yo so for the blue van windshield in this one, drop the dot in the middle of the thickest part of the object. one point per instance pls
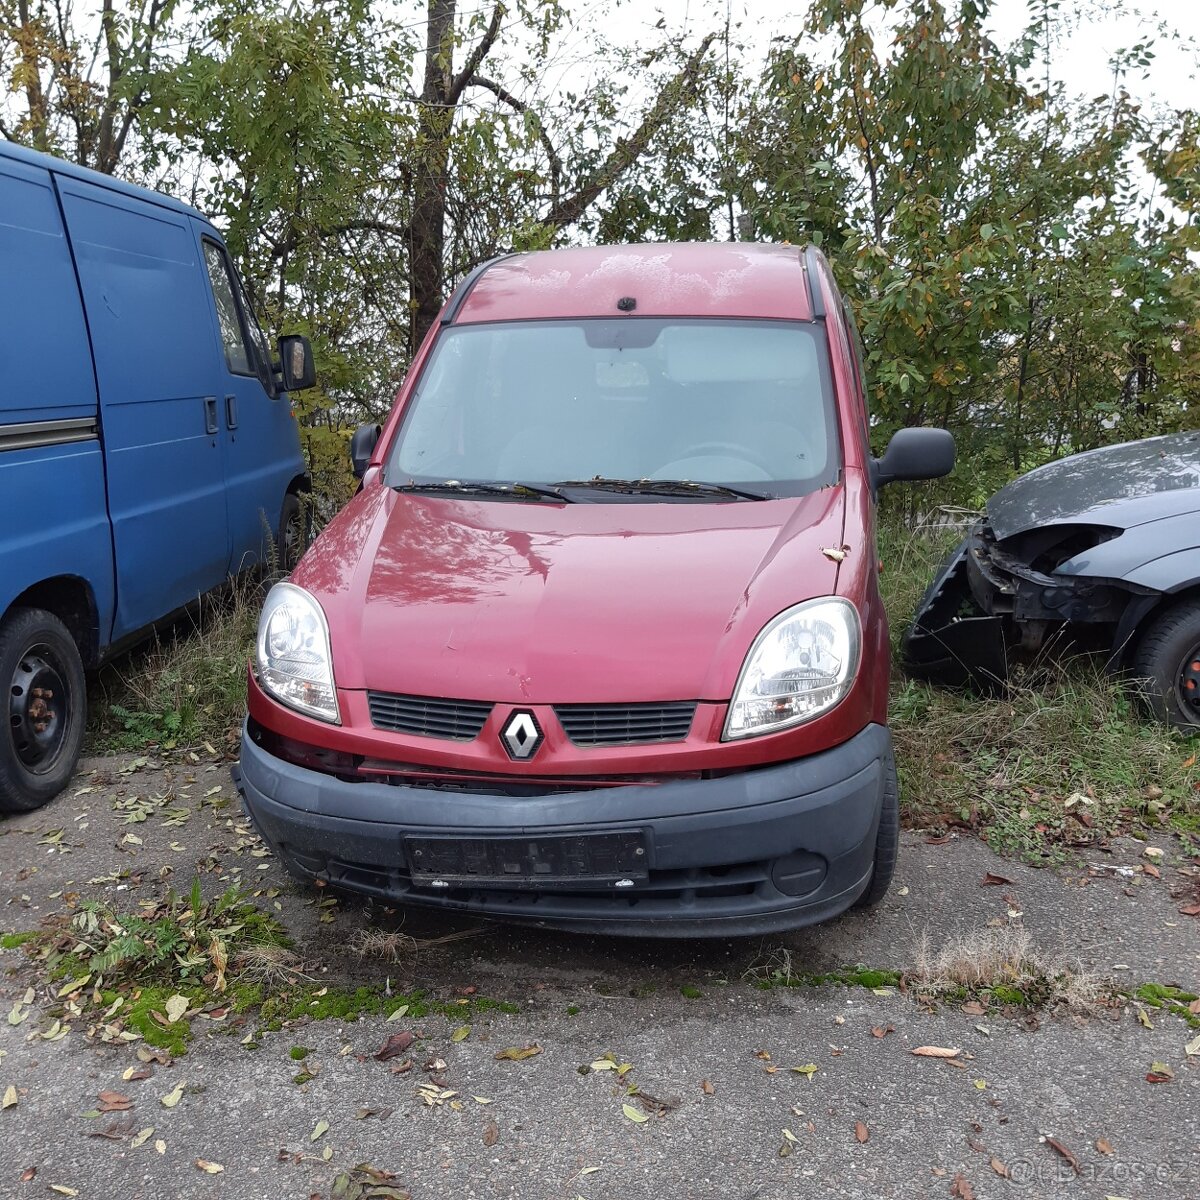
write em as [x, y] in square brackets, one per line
[709, 401]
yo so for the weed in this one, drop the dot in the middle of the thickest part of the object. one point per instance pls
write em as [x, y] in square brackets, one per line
[177, 942]
[1003, 963]
[186, 686]
[776, 969]
[392, 945]
[690, 992]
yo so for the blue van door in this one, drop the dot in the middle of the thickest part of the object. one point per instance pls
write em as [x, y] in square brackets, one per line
[55, 523]
[262, 440]
[146, 296]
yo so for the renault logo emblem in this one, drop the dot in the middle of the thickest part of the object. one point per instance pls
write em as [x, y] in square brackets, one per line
[521, 736]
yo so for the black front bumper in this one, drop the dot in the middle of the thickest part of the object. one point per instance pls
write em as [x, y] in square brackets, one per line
[754, 852]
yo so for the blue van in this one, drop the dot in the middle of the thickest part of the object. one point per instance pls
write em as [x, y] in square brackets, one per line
[148, 449]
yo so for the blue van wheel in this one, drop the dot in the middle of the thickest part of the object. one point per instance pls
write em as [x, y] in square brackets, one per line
[294, 524]
[46, 706]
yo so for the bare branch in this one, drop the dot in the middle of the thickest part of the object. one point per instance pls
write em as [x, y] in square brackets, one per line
[503, 94]
[476, 57]
[628, 150]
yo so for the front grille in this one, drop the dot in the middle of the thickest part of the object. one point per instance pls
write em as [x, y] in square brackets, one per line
[625, 724]
[458, 720]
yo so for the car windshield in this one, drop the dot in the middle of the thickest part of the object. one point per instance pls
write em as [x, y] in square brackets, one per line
[738, 403]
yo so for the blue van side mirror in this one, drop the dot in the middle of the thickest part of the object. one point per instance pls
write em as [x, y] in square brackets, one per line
[362, 446]
[296, 363]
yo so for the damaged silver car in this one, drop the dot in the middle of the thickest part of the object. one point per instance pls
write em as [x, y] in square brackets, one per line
[1101, 550]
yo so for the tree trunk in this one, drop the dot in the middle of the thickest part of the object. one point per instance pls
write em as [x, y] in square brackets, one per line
[430, 170]
[39, 133]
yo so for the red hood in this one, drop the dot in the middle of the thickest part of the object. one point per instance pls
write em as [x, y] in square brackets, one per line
[587, 603]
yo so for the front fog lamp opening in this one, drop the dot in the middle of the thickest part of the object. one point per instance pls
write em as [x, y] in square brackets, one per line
[294, 661]
[801, 665]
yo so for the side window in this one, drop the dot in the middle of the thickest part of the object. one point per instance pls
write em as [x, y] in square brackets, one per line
[237, 350]
[859, 359]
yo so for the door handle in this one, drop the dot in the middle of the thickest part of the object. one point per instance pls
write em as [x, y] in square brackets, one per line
[210, 414]
[231, 411]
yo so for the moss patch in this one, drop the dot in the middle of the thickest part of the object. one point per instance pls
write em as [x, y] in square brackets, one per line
[1169, 999]
[14, 941]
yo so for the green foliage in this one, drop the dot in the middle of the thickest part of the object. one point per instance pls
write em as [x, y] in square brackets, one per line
[186, 687]
[179, 942]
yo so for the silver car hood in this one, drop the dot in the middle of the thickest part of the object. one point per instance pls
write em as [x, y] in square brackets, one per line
[1121, 486]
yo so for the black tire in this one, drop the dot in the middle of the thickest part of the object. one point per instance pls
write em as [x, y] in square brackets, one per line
[1167, 666]
[43, 733]
[293, 533]
[887, 840]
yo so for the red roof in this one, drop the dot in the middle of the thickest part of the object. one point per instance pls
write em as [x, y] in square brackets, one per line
[693, 279]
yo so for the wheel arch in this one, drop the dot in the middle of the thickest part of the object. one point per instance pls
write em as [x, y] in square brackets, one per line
[71, 599]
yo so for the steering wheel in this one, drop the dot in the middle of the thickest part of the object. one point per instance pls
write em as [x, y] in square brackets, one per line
[726, 449]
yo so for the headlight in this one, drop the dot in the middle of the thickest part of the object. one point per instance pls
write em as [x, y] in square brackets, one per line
[294, 662]
[800, 666]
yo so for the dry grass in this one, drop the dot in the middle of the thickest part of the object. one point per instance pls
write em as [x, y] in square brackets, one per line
[1004, 961]
[394, 945]
[270, 967]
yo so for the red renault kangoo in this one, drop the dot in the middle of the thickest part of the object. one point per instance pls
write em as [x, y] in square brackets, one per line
[599, 643]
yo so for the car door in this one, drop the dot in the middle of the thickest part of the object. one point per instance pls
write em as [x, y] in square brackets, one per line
[147, 306]
[262, 440]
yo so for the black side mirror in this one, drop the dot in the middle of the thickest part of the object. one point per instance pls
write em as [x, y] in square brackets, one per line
[915, 454]
[296, 363]
[362, 446]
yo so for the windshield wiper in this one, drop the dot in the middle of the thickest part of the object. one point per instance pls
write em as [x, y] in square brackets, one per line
[470, 487]
[664, 487]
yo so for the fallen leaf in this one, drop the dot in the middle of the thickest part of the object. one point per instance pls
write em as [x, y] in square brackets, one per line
[210, 1168]
[991, 879]
[1188, 910]
[319, 1128]
[491, 1133]
[1193, 1047]
[28, 1174]
[809, 1069]
[999, 1168]
[173, 1097]
[327, 1153]
[395, 1016]
[1062, 1150]
[1104, 1145]
[880, 1031]
[590, 1170]
[114, 1102]
[517, 1053]
[160, 1145]
[632, 1113]
[937, 1051]
[395, 1045]
[461, 1033]
[973, 1008]
[1151, 870]
[481, 1100]
[706, 1087]
[63, 1190]
[176, 1006]
[10, 1097]
[141, 1137]
[861, 1131]
[1159, 1073]
[961, 1188]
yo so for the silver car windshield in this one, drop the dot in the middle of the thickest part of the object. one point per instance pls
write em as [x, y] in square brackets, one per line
[736, 402]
